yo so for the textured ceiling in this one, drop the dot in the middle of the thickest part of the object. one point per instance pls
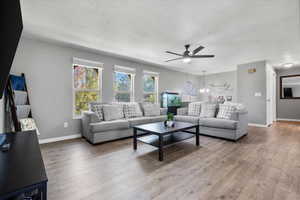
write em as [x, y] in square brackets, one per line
[236, 31]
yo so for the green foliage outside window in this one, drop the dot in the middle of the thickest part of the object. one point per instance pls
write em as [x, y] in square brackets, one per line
[82, 100]
[86, 86]
[150, 89]
[122, 87]
[122, 82]
[86, 78]
[150, 98]
[149, 83]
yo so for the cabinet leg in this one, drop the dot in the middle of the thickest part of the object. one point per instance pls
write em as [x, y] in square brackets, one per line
[197, 136]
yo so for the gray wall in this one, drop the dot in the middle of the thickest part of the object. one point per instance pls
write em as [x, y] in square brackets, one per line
[287, 108]
[220, 79]
[48, 70]
[248, 85]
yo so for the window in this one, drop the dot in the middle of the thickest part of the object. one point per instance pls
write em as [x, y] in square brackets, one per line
[86, 87]
[124, 84]
[150, 86]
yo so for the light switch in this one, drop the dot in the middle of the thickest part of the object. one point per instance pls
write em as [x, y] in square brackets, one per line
[257, 94]
[66, 124]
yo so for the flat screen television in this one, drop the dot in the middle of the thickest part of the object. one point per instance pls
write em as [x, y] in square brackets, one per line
[11, 30]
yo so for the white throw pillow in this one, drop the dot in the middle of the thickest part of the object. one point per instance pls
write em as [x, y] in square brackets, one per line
[132, 110]
[113, 112]
[225, 111]
[208, 110]
[151, 109]
[194, 109]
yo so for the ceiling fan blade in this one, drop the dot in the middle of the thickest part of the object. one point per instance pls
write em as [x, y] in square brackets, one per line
[203, 56]
[174, 59]
[177, 54]
[197, 50]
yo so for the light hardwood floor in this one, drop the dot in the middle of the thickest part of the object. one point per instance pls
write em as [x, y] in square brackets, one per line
[264, 165]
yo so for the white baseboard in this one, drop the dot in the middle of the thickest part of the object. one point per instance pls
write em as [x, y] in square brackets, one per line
[291, 120]
[258, 125]
[56, 139]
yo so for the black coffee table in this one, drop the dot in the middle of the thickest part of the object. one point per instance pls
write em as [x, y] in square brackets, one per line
[161, 136]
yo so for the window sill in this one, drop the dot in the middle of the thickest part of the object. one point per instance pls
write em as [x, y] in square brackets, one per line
[77, 117]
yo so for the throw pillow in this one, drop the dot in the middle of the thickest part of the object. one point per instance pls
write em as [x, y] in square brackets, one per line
[208, 110]
[97, 109]
[225, 111]
[132, 110]
[113, 112]
[151, 109]
[194, 109]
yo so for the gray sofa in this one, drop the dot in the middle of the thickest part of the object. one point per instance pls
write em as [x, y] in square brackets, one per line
[232, 129]
[107, 130]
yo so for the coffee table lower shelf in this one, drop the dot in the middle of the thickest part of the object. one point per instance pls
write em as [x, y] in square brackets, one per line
[168, 139]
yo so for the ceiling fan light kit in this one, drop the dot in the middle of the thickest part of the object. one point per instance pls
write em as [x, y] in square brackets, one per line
[187, 56]
[187, 60]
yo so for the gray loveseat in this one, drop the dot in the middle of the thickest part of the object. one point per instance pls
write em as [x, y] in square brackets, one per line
[107, 129]
[233, 128]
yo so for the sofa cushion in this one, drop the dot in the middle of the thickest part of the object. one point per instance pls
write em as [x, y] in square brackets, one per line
[194, 109]
[132, 110]
[160, 118]
[208, 110]
[226, 111]
[185, 118]
[145, 120]
[113, 112]
[109, 125]
[139, 120]
[151, 109]
[218, 123]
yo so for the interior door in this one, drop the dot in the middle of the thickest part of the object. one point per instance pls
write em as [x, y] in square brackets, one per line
[274, 96]
[270, 95]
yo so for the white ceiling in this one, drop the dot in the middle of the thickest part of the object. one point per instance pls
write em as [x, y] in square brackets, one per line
[236, 31]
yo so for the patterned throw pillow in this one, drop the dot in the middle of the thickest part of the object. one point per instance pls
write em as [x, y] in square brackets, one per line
[113, 112]
[97, 109]
[208, 110]
[28, 124]
[132, 110]
[225, 111]
[151, 109]
[194, 109]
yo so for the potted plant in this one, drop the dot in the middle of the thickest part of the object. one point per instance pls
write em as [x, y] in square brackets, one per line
[170, 120]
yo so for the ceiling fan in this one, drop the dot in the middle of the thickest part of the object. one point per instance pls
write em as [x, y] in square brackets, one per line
[187, 56]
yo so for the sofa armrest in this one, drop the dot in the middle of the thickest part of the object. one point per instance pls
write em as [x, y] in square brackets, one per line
[87, 118]
[163, 111]
[242, 118]
[182, 111]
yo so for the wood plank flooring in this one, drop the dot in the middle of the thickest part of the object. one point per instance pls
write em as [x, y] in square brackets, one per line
[265, 165]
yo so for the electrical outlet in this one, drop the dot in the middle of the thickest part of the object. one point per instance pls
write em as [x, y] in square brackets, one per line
[66, 124]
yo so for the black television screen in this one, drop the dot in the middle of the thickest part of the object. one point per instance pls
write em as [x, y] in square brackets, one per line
[11, 30]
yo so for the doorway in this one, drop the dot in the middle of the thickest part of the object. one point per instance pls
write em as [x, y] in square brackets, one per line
[271, 95]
